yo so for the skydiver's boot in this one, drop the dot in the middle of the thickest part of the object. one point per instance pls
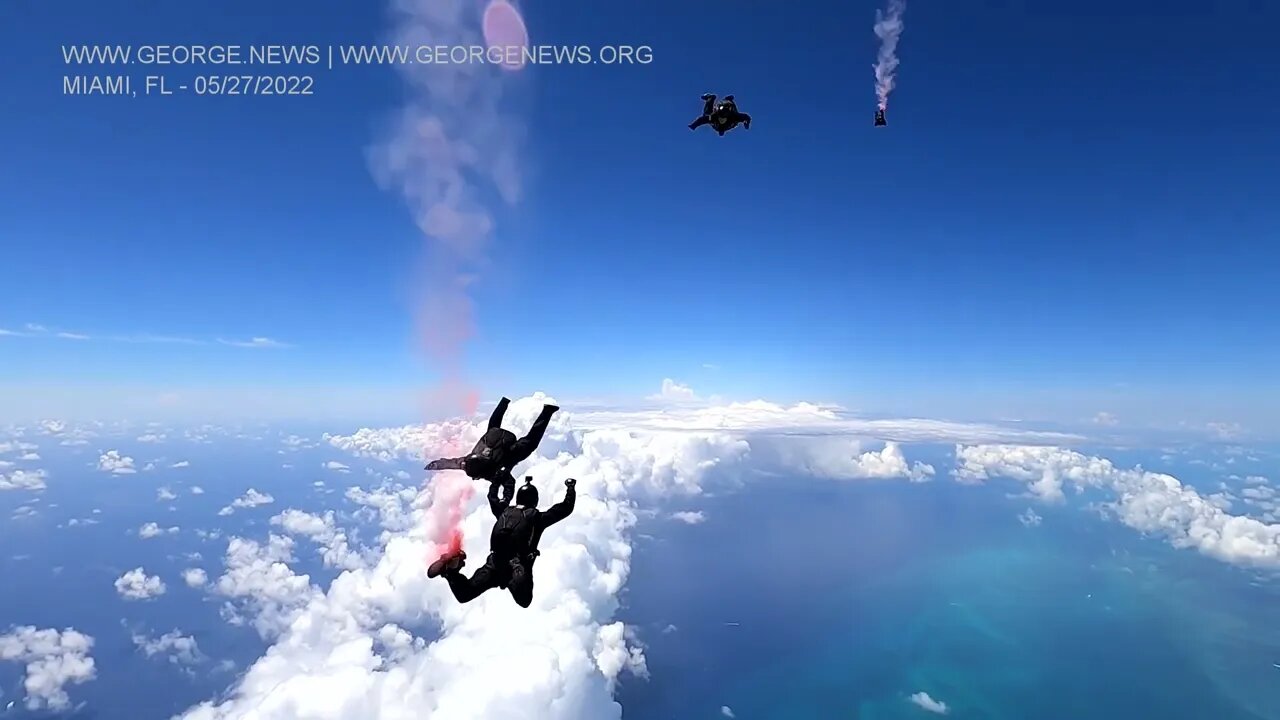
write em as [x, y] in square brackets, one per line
[447, 565]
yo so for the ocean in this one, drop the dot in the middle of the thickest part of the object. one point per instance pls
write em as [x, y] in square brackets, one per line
[797, 599]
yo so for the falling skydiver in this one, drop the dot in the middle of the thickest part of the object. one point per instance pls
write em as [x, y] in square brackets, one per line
[513, 544]
[880, 118]
[498, 451]
[722, 117]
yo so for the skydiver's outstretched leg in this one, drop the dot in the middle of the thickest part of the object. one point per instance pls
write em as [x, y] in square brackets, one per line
[495, 420]
[525, 446]
[467, 589]
[704, 120]
[745, 119]
[521, 585]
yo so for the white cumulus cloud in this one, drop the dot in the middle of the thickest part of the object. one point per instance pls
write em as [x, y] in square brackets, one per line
[567, 648]
[672, 390]
[258, 580]
[137, 585]
[322, 530]
[840, 458]
[251, 498]
[334, 465]
[1146, 501]
[165, 493]
[178, 648]
[692, 518]
[151, 530]
[1225, 430]
[54, 659]
[922, 700]
[113, 462]
[23, 480]
[195, 577]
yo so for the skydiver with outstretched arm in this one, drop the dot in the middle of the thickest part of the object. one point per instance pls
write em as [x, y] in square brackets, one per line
[498, 450]
[513, 544]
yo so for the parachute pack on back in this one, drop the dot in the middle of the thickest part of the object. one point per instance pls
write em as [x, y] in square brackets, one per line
[513, 532]
[489, 453]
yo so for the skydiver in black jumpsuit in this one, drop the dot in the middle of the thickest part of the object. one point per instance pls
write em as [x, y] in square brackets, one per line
[498, 451]
[513, 544]
[723, 117]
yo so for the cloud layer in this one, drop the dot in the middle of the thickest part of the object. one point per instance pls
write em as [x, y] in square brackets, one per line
[137, 585]
[53, 660]
[763, 417]
[357, 640]
[1145, 501]
[383, 641]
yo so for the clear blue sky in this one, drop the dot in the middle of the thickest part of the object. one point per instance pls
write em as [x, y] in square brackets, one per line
[1074, 202]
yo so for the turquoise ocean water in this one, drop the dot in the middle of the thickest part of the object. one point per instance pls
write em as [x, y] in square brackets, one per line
[841, 601]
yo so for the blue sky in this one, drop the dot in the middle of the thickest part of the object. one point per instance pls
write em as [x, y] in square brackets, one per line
[1068, 214]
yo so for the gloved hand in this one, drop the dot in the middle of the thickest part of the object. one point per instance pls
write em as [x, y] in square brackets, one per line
[570, 483]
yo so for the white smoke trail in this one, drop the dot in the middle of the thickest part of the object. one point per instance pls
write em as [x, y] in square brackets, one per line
[449, 153]
[888, 29]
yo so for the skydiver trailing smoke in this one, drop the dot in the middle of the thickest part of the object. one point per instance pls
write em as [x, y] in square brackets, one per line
[722, 117]
[498, 450]
[513, 543]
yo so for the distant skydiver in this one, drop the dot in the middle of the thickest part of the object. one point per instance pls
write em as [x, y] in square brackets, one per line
[722, 117]
[880, 118]
[498, 451]
[513, 544]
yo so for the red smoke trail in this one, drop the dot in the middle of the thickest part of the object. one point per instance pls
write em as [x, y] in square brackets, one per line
[449, 150]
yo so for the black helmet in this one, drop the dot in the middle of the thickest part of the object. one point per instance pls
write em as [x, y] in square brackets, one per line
[527, 495]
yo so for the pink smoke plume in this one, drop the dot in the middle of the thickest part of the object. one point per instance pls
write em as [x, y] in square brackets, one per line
[504, 29]
[888, 29]
[449, 151]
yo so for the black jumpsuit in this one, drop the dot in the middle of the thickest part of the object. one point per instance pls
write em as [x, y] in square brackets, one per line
[708, 107]
[726, 117]
[510, 571]
[499, 450]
